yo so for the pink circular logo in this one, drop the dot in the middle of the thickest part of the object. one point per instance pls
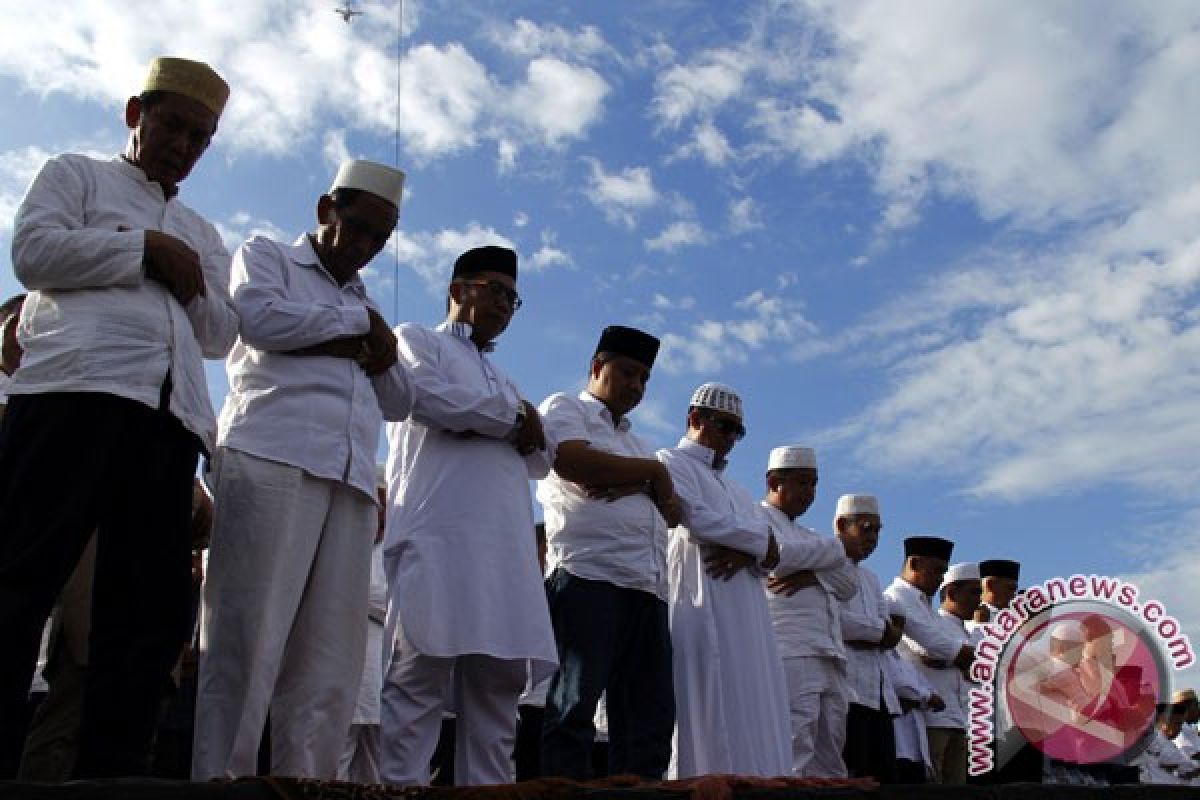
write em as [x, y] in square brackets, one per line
[1081, 687]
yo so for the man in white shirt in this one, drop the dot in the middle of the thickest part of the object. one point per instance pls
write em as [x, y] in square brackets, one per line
[870, 633]
[466, 605]
[608, 504]
[283, 623]
[730, 691]
[947, 728]
[804, 599]
[1000, 578]
[127, 296]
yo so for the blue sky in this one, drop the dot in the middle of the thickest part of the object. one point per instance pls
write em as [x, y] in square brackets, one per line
[951, 245]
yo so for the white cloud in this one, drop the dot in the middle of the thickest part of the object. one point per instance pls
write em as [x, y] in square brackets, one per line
[699, 88]
[760, 319]
[520, 219]
[708, 143]
[549, 255]
[557, 100]
[506, 156]
[296, 69]
[529, 39]
[241, 225]
[431, 254]
[681, 233]
[335, 151]
[17, 170]
[744, 216]
[621, 195]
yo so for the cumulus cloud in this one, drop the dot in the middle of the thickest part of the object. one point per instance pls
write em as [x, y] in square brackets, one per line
[709, 345]
[295, 67]
[684, 90]
[621, 195]
[335, 150]
[681, 233]
[550, 255]
[557, 100]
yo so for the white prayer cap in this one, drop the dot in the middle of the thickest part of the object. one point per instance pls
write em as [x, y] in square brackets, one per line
[966, 571]
[378, 179]
[792, 456]
[718, 397]
[856, 504]
[1068, 631]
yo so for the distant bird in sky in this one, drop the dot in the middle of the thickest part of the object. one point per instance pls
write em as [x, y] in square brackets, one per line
[347, 12]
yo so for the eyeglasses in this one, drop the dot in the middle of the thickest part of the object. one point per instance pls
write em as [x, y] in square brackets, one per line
[729, 427]
[499, 290]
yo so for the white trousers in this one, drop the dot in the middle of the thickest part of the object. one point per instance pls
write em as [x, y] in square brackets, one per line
[817, 690]
[283, 620]
[360, 758]
[483, 693]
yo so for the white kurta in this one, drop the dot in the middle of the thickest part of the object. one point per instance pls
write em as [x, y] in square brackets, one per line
[1188, 740]
[93, 321]
[911, 742]
[949, 682]
[463, 575]
[730, 692]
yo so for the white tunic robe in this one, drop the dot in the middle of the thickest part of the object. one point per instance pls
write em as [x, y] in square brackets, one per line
[730, 692]
[463, 575]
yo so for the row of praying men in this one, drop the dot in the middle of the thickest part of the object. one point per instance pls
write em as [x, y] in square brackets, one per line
[724, 636]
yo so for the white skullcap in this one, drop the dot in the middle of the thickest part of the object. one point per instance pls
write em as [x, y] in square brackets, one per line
[718, 397]
[856, 504]
[792, 456]
[966, 571]
[1068, 631]
[378, 179]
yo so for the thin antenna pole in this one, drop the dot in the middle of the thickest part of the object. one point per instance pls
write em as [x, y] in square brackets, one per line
[396, 269]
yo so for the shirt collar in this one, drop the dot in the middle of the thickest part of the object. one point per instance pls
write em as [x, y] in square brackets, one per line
[139, 175]
[703, 454]
[904, 585]
[302, 253]
[602, 411]
[463, 330]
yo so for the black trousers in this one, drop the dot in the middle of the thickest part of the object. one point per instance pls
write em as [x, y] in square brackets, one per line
[870, 749]
[74, 463]
[614, 641]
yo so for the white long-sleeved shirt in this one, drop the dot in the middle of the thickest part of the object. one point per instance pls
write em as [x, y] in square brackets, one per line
[863, 619]
[924, 632]
[319, 413]
[911, 740]
[808, 623]
[623, 542]
[460, 552]
[949, 682]
[1188, 740]
[93, 321]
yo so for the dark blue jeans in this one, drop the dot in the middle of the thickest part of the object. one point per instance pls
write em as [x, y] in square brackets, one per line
[610, 640]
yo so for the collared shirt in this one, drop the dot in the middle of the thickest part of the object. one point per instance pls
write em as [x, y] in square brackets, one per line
[808, 622]
[623, 542]
[863, 619]
[319, 413]
[92, 321]
[949, 682]
[924, 633]
[460, 550]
